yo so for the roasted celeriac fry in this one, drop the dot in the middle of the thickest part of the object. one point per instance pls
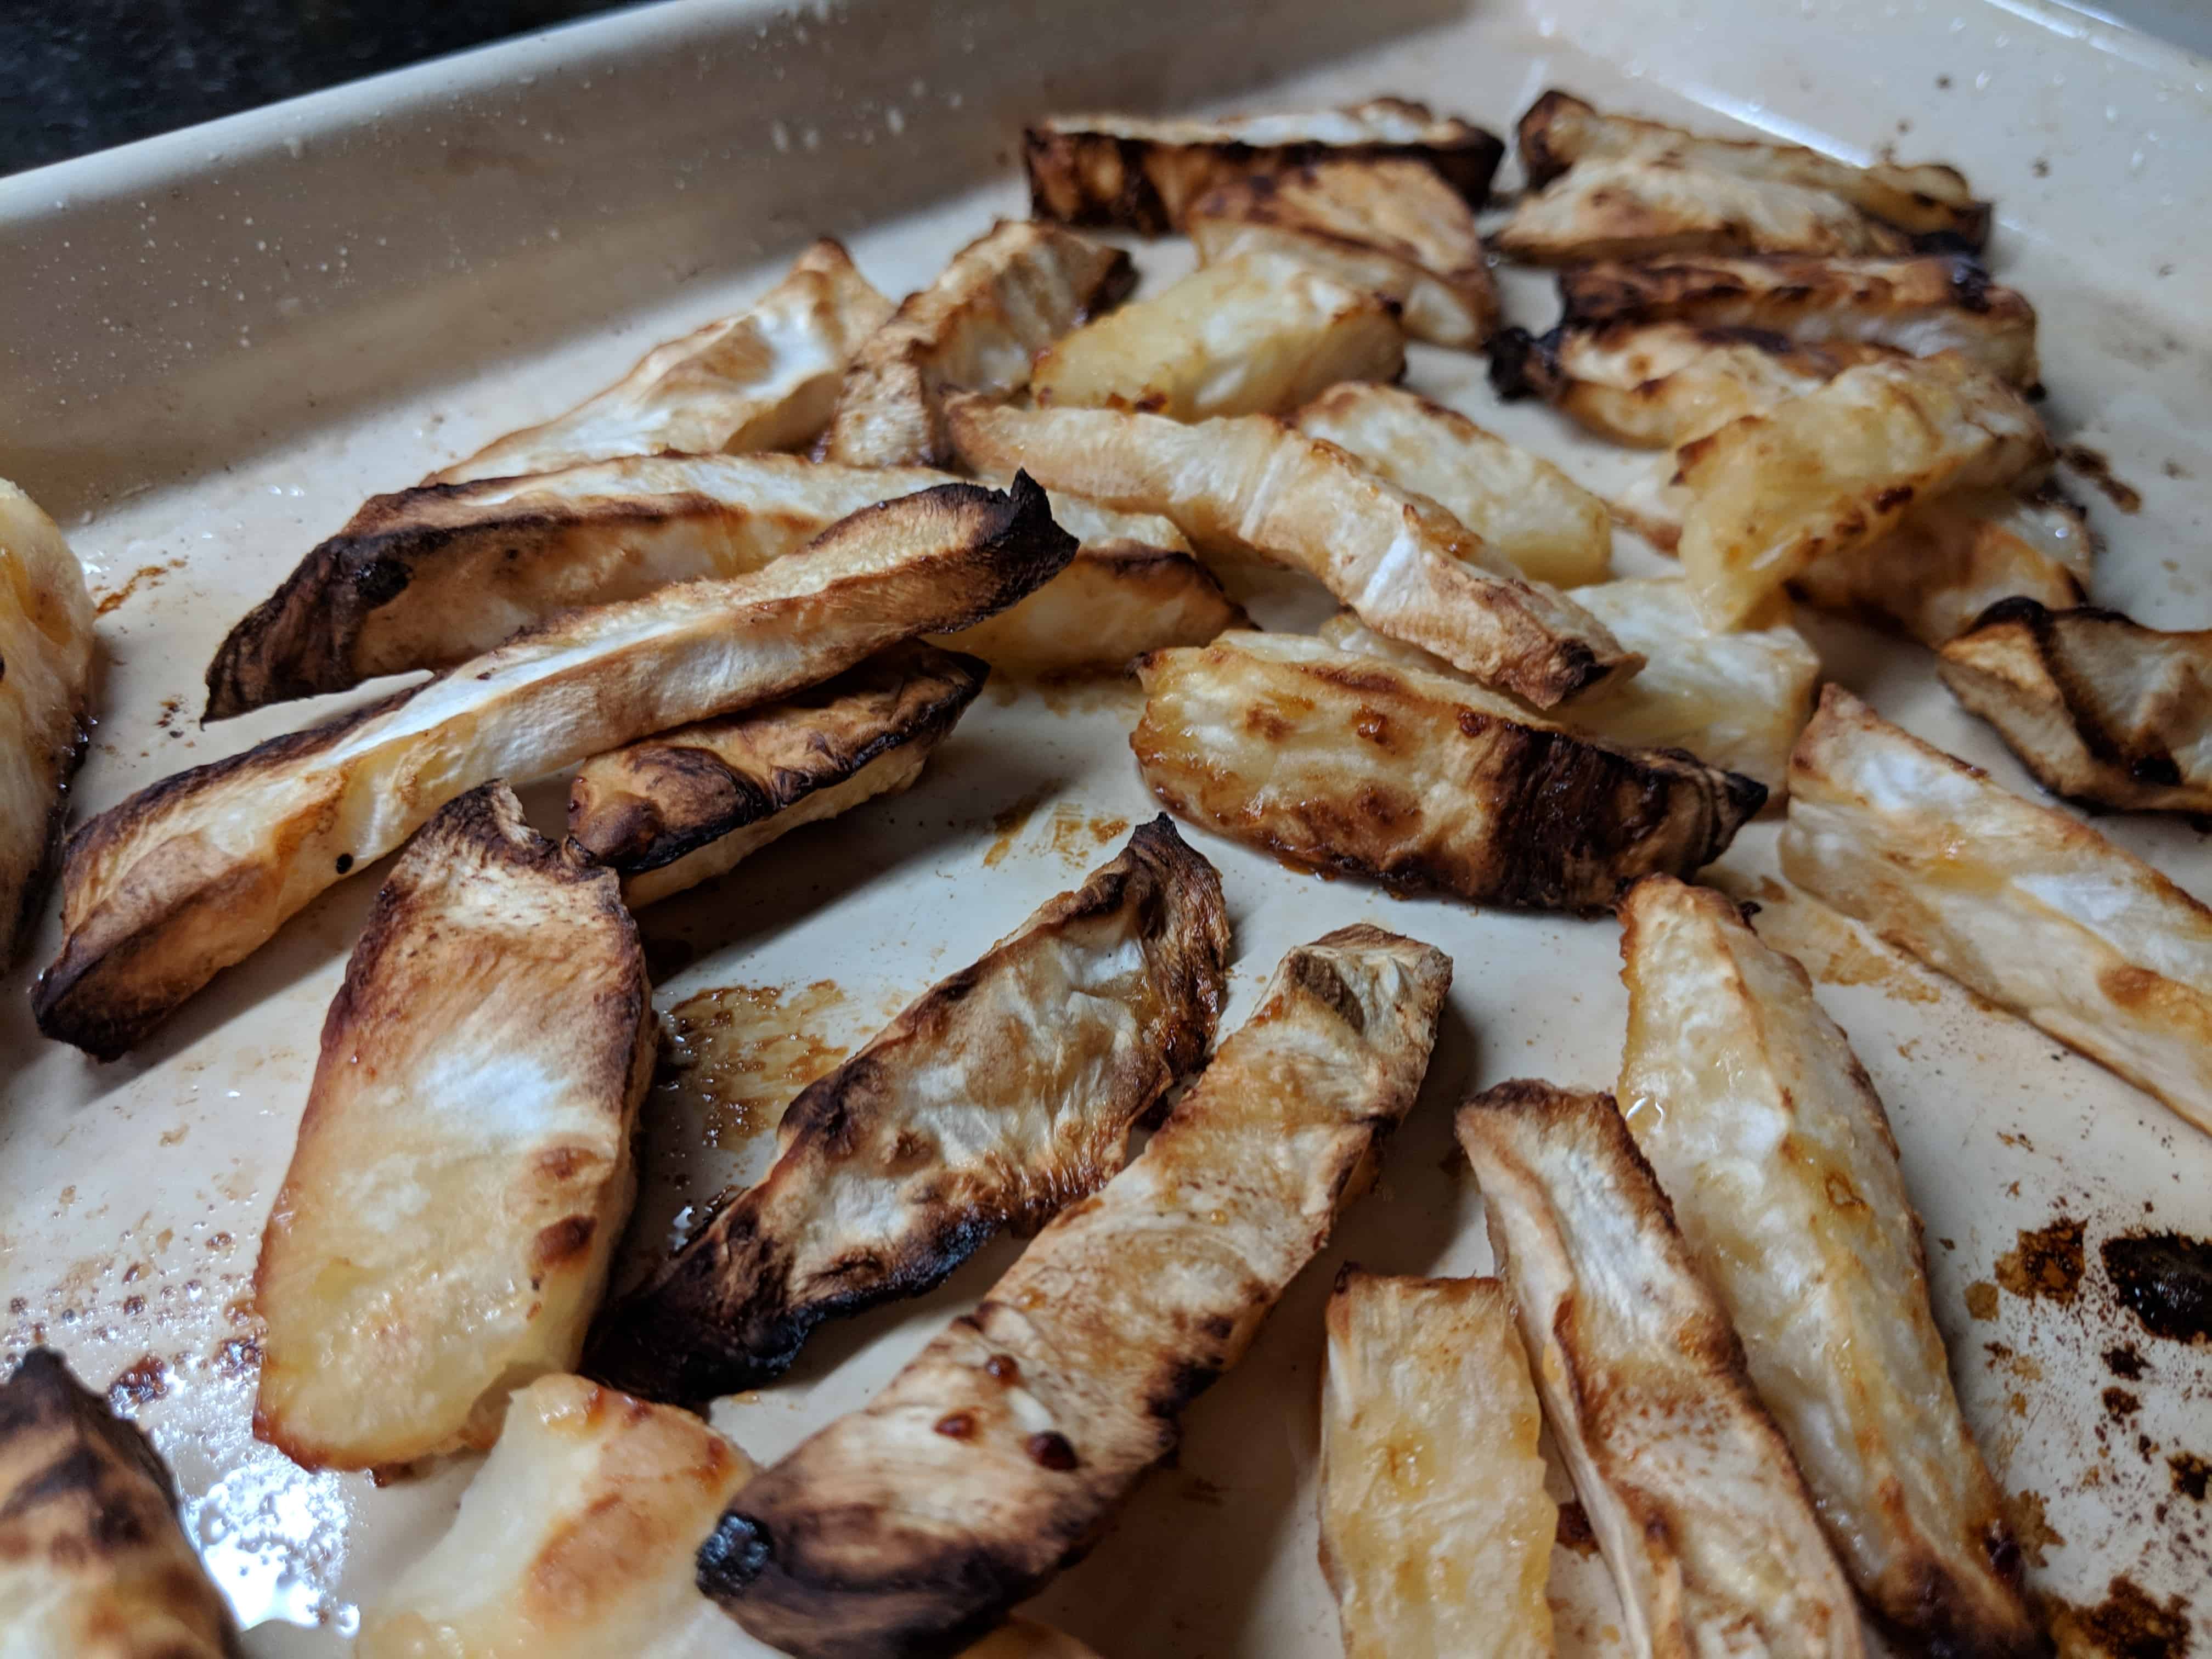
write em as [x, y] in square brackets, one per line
[1142, 173]
[1639, 208]
[1929, 201]
[1422, 781]
[1005, 297]
[1518, 503]
[1767, 1134]
[1242, 337]
[1435, 1531]
[1003, 1093]
[1108, 608]
[1689, 1487]
[996, 1456]
[1392, 228]
[163, 892]
[683, 807]
[434, 576]
[765, 378]
[1404, 564]
[1736, 700]
[2097, 705]
[1924, 305]
[46, 673]
[1827, 473]
[92, 1562]
[2022, 904]
[464, 1169]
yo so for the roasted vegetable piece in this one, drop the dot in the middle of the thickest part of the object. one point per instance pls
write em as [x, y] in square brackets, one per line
[1639, 208]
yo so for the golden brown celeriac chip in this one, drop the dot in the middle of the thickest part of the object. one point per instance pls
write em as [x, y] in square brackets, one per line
[1246, 335]
[464, 1169]
[46, 646]
[765, 378]
[1516, 502]
[1004, 298]
[1767, 1134]
[1343, 762]
[2097, 705]
[1688, 1486]
[1435, 1531]
[1404, 564]
[1391, 228]
[2023, 904]
[1641, 208]
[1000, 1451]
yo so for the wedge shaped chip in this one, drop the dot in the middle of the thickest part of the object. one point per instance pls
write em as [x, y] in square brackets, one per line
[1404, 564]
[1927, 201]
[1242, 337]
[2023, 904]
[1005, 297]
[683, 807]
[1141, 173]
[1517, 503]
[1391, 228]
[1003, 1093]
[1763, 1129]
[464, 1169]
[2097, 705]
[766, 378]
[1639, 208]
[1435, 1531]
[1690, 1489]
[1932, 303]
[1422, 781]
[1000, 1451]
[92, 1562]
[1737, 700]
[163, 892]
[1829, 472]
[46, 645]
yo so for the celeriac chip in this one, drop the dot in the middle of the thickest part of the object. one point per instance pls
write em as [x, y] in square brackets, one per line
[1639, 208]
[47, 648]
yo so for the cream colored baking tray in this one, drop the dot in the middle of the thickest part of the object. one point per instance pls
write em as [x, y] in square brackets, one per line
[216, 343]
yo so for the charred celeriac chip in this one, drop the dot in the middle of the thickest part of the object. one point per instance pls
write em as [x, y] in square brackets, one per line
[165, 891]
[1689, 1487]
[1641, 208]
[686, 805]
[1005, 297]
[1391, 227]
[1004, 1093]
[92, 1562]
[1517, 503]
[1429, 784]
[1736, 700]
[764, 379]
[1767, 1134]
[1404, 564]
[1824, 474]
[46, 673]
[997, 1455]
[1143, 174]
[2097, 705]
[1242, 337]
[464, 1169]
[2022, 904]
[1435, 1531]
[1927, 201]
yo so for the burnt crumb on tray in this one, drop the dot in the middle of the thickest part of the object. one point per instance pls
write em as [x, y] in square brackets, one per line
[2166, 1280]
[2045, 1263]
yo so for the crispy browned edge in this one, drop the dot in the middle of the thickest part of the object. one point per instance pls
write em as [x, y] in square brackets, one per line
[1525, 365]
[15, 931]
[1617, 291]
[651, 804]
[85, 997]
[1545, 794]
[106, 1492]
[1080, 178]
[718, 1316]
[939, 1598]
[1542, 163]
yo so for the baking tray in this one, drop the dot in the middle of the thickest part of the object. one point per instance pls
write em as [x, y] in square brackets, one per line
[217, 342]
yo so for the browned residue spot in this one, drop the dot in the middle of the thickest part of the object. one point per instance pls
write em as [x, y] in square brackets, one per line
[146, 575]
[1008, 825]
[140, 1383]
[1981, 1300]
[738, 1054]
[2031, 1527]
[1197, 1489]
[956, 1425]
[238, 1356]
[2126, 1625]
[2166, 1280]
[1574, 1533]
[1051, 1451]
[2045, 1264]
[1079, 839]
[2024, 1366]
[2192, 1475]
[1833, 951]
[2120, 1405]
[2092, 466]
